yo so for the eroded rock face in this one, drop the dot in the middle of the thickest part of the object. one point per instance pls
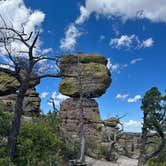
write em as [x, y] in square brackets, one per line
[9, 84]
[8, 94]
[95, 77]
[70, 115]
[31, 104]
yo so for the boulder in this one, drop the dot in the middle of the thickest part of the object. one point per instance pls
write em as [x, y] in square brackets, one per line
[94, 77]
[9, 84]
[31, 104]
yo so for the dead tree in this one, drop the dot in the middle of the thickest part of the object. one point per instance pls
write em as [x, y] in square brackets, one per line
[82, 125]
[24, 66]
[116, 136]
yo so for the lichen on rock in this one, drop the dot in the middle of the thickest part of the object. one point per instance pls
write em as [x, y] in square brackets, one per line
[94, 75]
[8, 84]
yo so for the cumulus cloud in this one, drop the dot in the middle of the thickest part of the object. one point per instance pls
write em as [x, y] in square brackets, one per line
[122, 96]
[69, 42]
[46, 51]
[84, 14]
[154, 11]
[130, 41]
[16, 14]
[136, 60]
[57, 98]
[132, 9]
[123, 41]
[147, 43]
[134, 99]
[132, 126]
[112, 67]
[133, 123]
[44, 94]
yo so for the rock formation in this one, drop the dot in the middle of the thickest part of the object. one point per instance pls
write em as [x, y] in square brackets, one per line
[8, 84]
[8, 93]
[95, 77]
[85, 76]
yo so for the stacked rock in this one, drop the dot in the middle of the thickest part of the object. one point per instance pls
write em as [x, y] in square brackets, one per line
[92, 81]
[8, 93]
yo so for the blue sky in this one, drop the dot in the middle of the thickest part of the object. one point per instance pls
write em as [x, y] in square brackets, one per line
[131, 36]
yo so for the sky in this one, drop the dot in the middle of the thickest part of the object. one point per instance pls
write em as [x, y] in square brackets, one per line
[130, 34]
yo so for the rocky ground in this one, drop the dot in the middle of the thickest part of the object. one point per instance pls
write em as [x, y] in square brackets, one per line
[122, 161]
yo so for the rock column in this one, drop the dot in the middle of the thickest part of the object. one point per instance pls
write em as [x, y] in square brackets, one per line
[95, 79]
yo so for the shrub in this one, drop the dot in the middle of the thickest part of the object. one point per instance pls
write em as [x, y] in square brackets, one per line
[5, 162]
[37, 145]
[5, 122]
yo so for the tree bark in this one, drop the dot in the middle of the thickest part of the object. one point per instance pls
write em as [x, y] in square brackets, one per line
[110, 150]
[16, 122]
[142, 156]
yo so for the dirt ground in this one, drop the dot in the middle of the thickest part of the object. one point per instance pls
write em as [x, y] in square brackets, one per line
[122, 161]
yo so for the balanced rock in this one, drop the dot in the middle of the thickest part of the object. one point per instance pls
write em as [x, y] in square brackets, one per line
[86, 70]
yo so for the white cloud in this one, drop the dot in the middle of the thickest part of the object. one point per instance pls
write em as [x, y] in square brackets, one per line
[123, 41]
[112, 67]
[132, 9]
[102, 37]
[54, 94]
[132, 41]
[46, 51]
[132, 123]
[56, 102]
[134, 99]
[148, 43]
[57, 98]
[152, 10]
[15, 13]
[136, 60]
[61, 97]
[69, 42]
[84, 14]
[44, 94]
[132, 126]
[122, 96]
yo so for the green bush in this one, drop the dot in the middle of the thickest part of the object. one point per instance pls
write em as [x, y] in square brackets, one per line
[160, 160]
[70, 150]
[153, 163]
[37, 145]
[40, 142]
[5, 125]
[5, 162]
[5, 122]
